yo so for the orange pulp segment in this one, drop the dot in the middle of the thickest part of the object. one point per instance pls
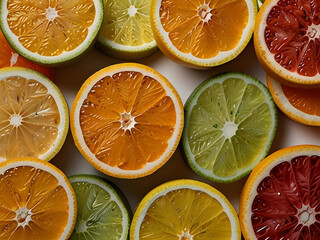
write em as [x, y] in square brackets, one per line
[10, 58]
[204, 28]
[50, 27]
[127, 120]
[29, 118]
[33, 205]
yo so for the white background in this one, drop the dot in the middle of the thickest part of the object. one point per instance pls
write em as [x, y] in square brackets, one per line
[69, 79]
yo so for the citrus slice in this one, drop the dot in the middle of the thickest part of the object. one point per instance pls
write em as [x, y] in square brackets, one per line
[34, 117]
[185, 209]
[280, 199]
[126, 31]
[37, 201]
[101, 211]
[301, 105]
[202, 34]
[230, 123]
[286, 39]
[260, 2]
[127, 120]
[51, 32]
[10, 58]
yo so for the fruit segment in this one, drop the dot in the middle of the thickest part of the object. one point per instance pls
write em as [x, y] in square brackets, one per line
[287, 202]
[204, 28]
[292, 35]
[50, 28]
[127, 120]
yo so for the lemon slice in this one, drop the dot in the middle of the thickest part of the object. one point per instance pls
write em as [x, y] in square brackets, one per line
[185, 209]
[126, 30]
[34, 118]
[51, 32]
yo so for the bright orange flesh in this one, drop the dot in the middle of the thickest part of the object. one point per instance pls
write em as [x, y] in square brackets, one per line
[204, 28]
[127, 120]
[50, 27]
[305, 100]
[29, 118]
[10, 58]
[45, 201]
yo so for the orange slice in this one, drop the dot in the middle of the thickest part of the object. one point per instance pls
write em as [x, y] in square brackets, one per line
[37, 201]
[280, 199]
[301, 105]
[127, 120]
[34, 119]
[286, 40]
[10, 58]
[202, 33]
[51, 32]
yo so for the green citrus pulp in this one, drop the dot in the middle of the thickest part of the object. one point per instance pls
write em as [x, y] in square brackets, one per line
[230, 121]
[101, 211]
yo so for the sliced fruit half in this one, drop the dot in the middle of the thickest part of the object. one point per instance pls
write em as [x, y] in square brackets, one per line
[10, 58]
[230, 123]
[287, 43]
[301, 105]
[126, 31]
[185, 209]
[127, 120]
[51, 32]
[281, 196]
[34, 119]
[202, 34]
[37, 201]
[102, 212]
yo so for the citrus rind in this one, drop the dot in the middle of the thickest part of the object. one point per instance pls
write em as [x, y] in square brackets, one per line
[179, 184]
[59, 99]
[191, 102]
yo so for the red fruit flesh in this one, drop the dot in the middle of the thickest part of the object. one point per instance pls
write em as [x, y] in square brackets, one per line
[287, 204]
[292, 34]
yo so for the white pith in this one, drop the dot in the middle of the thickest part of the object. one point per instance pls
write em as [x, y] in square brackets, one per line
[113, 197]
[263, 173]
[58, 97]
[263, 152]
[15, 120]
[229, 129]
[14, 58]
[51, 13]
[127, 121]
[285, 106]
[269, 58]
[171, 143]
[176, 185]
[62, 182]
[66, 55]
[222, 56]
[306, 215]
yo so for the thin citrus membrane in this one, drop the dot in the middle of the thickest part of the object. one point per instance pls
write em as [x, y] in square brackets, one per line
[51, 32]
[37, 201]
[126, 31]
[230, 123]
[127, 120]
[102, 210]
[287, 41]
[301, 105]
[33, 115]
[281, 196]
[202, 33]
[185, 209]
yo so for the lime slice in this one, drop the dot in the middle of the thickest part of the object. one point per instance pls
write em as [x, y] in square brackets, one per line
[126, 29]
[102, 213]
[230, 123]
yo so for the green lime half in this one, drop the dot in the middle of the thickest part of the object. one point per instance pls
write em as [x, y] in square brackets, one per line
[230, 123]
[102, 212]
[126, 29]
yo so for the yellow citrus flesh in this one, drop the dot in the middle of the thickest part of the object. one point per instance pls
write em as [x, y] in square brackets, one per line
[204, 28]
[127, 117]
[185, 209]
[34, 203]
[29, 118]
[50, 27]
